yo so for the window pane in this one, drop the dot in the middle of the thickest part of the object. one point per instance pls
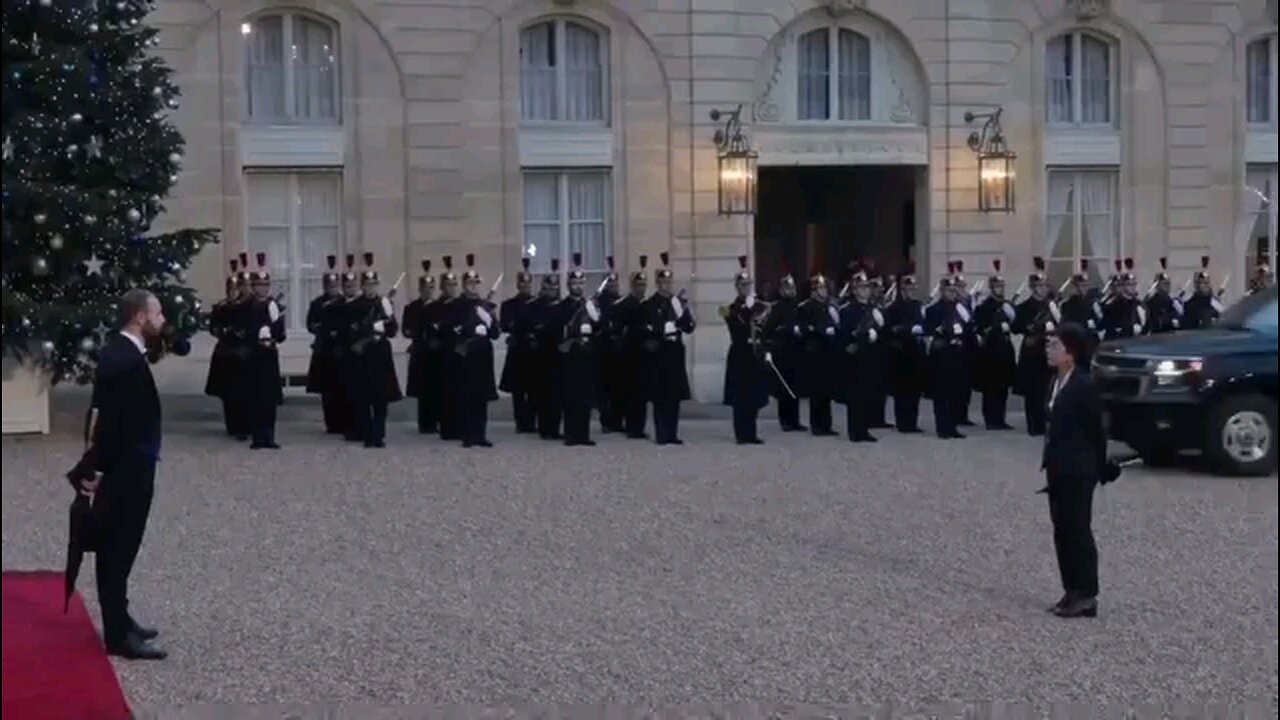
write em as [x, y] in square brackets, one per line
[588, 218]
[1259, 81]
[815, 71]
[584, 74]
[1098, 236]
[315, 64]
[538, 72]
[268, 200]
[264, 68]
[855, 76]
[1058, 70]
[319, 202]
[541, 220]
[1095, 80]
[1059, 236]
[1260, 199]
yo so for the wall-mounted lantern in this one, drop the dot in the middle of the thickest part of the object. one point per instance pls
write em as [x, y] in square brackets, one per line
[736, 165]
[997, 174]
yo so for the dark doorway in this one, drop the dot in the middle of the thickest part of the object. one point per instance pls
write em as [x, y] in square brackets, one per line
[826, 217]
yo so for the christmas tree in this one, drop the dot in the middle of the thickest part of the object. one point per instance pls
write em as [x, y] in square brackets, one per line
[90, 153]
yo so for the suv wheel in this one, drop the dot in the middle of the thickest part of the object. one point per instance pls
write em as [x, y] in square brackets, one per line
[1241, 437]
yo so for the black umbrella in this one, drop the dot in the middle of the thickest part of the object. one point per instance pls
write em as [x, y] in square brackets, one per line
[83, 535]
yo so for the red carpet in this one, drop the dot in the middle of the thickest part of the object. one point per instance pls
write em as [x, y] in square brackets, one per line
[55, 667]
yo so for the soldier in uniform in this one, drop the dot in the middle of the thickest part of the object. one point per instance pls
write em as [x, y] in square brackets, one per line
[547, 331]
[904, 319]
[626, 329]
[519, 376]
[782, 339]
[444, 313]
[1037, 317]
[1204, 307]
[964, 295]
[224, 362]
[375, 384]
[578, 318]
[745, 383]
[339, 326]
[1262, 278]
[321, 371]
[946, 324]
[667, 318]
[608, 350]
[994, 363]
[1124, 315]
[475, 329]
[424, 362]
[861, 324]
[263, 390]
[819, 327]
[1080, 306]
[1164, 312]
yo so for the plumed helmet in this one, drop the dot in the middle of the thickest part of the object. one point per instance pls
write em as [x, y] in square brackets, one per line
[1037, 275]
[641, 274]
[1203, 272]
[664, 272]
[524, 275]
[575, 272]
[261, 275]
[369, 276]
[471, 275]
[742, 275]
[448, 275]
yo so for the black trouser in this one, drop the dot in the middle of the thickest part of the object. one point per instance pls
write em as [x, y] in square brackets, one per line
[906, 412]
[334, 407]
[549, 413]
[526, 412]
[374, 417]
[819, 414]
[1071, 509]
[577, 420]
[963, 398]
[666, 420]
[875, 410]
[475, 421]
[858, 414]
[264, 422]
[944, 412]
[451, 410]
[1036, 407]
[995, 405]
[610, 412]
[231, 415]
[428, 412]
[127, 489]
[788, 412]
[636, 414]
[744, 423]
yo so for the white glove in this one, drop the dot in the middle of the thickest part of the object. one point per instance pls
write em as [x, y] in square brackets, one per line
[264, 333]
[379, 326]
[593, 312]
[669, 328]
[677, 306]
[584, 329]
[958, 329]
[484, 316]
[1092, 325]
[386, 307]
[1056, 312]
[481, 330]
[1176, 323]
[1137, 329]
[273, 311]
[877, 316]
[751, 301]
[768, 357]
[1050, 327]
[871, 334]
[797, 330]
[917, 330]
[1004, 327]
[1009, 312]
[831, 331]
[1216, 305]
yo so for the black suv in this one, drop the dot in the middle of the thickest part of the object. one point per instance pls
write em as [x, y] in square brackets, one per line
[1212, 390]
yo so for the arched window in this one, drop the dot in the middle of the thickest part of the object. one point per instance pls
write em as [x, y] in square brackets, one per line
[834, 75]
[562, 73]
[1261, 77]
[1080, 77]
[290, 69]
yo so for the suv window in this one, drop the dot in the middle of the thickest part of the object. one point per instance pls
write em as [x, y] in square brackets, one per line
[1256, 312]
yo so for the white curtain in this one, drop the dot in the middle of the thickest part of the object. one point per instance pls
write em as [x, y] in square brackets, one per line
[584, 74]
[314, 70]
[1095, 80]
[855, 76]
[814, 68]
[270, 214]
[1259, 81]
[1059, 233]
[588, 212]
[541, 219]
[1260, 208]
[1059, 67]
[264, 69]
[538, 72]
[319, 204]
[1098, 216]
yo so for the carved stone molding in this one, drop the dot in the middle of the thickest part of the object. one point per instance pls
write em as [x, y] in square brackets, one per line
[817, 145]
[765, 108]
[1088, 9]
[840, 8]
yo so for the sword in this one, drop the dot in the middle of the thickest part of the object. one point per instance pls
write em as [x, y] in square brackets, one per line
[493, 290]
[600, 288]
[1222, 289]
[392, 292]
[769, 361]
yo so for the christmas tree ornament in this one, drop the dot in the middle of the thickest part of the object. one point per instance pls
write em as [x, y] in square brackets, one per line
[39, 266]
[55, 242]
[48, 347]
[40, 218]
[8, 148]
[90, 218]
[77, 118]
[133, 215]
[175, 159]
[93, 265]
[93, 27]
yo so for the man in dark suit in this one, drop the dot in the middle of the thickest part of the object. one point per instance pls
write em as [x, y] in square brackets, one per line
[125, 446]
[1074, 460]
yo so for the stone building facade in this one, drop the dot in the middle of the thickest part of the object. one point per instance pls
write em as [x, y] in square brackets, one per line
[416, 129]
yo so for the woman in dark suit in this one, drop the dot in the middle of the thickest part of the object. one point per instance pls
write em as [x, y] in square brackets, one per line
[1074, 460]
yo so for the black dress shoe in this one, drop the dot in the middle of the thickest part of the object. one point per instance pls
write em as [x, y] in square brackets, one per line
[824, 433]
[675, 441]
[135, 648]
[142, 631]
[476, 444]
[751, 441]
[242, 438]
[910, 431]
[1066, 598]
[264, 446]
[637, 436]
[1080, 607]
[375, 444]
[999, 426]
[965, 423]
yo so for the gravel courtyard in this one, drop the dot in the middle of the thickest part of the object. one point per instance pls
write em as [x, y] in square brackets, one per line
[804, 570]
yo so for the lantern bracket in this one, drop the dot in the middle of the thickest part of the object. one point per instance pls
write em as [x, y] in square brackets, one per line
[991, 137]
[729, 138]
